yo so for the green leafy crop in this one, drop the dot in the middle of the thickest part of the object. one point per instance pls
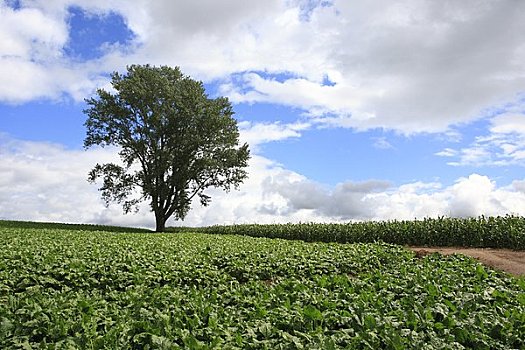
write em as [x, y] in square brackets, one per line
[68, 289]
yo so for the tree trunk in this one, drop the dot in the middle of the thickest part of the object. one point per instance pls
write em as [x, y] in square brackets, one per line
[160, 222]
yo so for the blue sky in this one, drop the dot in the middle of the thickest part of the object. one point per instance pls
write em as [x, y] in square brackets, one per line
[353, 111]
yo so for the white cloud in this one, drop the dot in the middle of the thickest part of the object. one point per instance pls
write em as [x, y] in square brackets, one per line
[447, 152]
[307, 94]
[474, 195]
[258, 133]
[42, 181]
[503, 146]
[30, 33]
[519, 185]
[382, 143]
[411, 66]
[46, 182]
[508, 124]
[28, 40]
[377, 200]
[32, 60]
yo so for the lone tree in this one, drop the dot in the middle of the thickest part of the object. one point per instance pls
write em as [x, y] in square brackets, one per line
[174, 141]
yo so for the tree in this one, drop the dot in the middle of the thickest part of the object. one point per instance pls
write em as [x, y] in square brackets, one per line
[174, 141]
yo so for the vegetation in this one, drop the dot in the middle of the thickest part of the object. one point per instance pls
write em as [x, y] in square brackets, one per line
[77, 289]
[71, 227]
[496, 232]
[174, 141]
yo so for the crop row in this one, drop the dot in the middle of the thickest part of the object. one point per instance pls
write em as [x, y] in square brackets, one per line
[92, 290]
[63, 226]
[495, 232]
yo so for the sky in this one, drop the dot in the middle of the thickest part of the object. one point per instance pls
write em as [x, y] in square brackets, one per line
[353, 110]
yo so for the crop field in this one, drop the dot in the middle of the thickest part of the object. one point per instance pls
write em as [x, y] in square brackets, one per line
[69, 289]
[481, 232]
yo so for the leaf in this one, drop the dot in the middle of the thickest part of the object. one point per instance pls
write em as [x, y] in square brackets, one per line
[370, 322]
[312, 313]
[266, 329]
[161, 342]
[480, 272]
[192, 343]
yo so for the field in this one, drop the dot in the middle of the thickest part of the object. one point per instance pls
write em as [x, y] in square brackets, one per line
[481, 232]
[92, 289]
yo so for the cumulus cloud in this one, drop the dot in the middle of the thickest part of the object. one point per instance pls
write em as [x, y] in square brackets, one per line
[210, 40]
[47, 182]
[309, 95]
[411, 66]
[33, 63]
[29, 32]
[378, 200]
[27, 37]
[42, 181]
[473, 195]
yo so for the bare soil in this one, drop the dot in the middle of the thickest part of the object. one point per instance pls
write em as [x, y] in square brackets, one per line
[511, 261]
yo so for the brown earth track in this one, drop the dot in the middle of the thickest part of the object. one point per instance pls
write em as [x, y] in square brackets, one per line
[511, 261]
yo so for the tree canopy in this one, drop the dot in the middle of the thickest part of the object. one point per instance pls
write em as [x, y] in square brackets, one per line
[174, 141]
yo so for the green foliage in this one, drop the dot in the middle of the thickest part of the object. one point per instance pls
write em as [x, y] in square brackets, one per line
[72, 227]
[174, 141]
[496, 232]
[101, 290]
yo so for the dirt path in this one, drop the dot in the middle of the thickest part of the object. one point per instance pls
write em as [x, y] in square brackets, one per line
[507, 260]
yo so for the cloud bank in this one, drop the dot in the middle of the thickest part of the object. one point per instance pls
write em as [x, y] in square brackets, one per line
[47, 182]
[410, 66]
